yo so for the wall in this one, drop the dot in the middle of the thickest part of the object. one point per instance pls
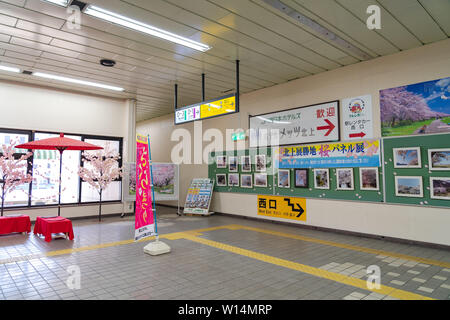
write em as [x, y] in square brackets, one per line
[407, 222]
[35, 108]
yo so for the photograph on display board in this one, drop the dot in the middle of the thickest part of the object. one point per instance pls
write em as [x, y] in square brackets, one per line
[368, 179]
[233, 180]
[321, 179]
[221, 162]
[440, 188]
[260, 162]
[246, 181]
[284, 178]
[246, 164]
[260, 180]
[420, 108]
[233, 164]
[221, 180]
[439, 159]
[345, 179]
[407, 157]
[301, 178]
[408, 186]
[164, 178]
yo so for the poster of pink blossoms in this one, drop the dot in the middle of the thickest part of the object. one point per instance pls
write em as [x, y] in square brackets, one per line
[164, 178]
[419, 108]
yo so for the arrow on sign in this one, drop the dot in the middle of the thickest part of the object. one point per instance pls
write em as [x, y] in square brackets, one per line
[329, 127]
[357, 135]
[300, 210]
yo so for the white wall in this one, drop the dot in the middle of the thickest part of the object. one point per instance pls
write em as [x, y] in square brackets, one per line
[407, 222]
[35, 108]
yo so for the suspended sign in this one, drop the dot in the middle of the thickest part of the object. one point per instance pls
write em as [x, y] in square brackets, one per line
[208, 109]
[357, 118]
[331, 155]
[144, 220]
[309, 124]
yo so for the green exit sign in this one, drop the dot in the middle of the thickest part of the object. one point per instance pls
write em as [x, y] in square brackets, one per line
[238, 136]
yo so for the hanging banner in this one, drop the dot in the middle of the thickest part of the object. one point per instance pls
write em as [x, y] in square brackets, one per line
[331, 155]
[144, 223]
[199, 196]
[357, 118]
[316, 123]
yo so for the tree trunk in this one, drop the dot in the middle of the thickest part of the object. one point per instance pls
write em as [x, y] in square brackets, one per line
[3, 196]
[100, 207]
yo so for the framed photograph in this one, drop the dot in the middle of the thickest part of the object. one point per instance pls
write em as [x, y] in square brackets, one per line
[344, 178]
[407, 157]
[260, 162]
[439, 159]
[440, 188]
[221, 180]
[221, 162]
[246, 181]
[368, 179]
[260, 179]
[408, 186]
[246, 164]
[233, 179]
[301, 178]
[321, 179]
[284, 178]
[233, 164]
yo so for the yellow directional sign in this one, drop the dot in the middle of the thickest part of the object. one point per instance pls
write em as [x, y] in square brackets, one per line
[218, 107]
[282, 207]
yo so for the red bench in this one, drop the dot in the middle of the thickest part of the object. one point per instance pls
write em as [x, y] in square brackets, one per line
[11, 224]
[47, 226]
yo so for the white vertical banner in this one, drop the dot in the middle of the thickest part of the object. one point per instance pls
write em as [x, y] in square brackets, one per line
[357, 118]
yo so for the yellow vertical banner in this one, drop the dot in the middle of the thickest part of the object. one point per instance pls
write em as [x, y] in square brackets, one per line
[282, 207]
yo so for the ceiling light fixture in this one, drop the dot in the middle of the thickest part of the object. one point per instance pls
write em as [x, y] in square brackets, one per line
[87, 83]
[142, 27]
[10, 69]
[62, 3]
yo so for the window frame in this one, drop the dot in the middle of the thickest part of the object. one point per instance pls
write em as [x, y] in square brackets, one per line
[30, 162]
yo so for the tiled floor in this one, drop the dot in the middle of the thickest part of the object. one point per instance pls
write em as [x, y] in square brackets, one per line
[231, 258]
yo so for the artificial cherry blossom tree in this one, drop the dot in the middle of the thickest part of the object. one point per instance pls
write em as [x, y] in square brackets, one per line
[13, 172]
[99, 169]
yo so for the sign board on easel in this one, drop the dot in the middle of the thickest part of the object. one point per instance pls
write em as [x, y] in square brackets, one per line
[199, 196]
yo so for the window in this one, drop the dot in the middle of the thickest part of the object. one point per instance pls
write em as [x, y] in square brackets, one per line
[114, 191]
[44, 166]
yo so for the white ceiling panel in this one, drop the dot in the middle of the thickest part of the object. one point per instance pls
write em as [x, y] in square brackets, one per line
[272, 47]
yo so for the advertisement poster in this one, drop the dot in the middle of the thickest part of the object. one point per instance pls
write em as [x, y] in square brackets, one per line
[144, 222]
[331, 155]
[199, 196]
[357, 118]
[317, 123]
[282, 207]
[419, 108]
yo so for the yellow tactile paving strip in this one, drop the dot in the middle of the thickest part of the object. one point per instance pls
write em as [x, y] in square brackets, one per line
[384, 290]
[193, 235]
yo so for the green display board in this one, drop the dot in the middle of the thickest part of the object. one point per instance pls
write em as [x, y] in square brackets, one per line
[252, 153]
[332, 193]
[408, 165]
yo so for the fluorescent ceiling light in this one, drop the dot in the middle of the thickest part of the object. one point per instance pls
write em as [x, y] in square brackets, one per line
[62, 3]
[87, 83]
[10, 69]
[142, 27]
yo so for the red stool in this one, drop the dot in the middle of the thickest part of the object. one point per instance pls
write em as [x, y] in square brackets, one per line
[47, 226]
[11, 224]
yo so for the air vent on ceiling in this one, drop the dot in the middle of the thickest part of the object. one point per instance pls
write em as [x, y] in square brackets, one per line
[27, 72]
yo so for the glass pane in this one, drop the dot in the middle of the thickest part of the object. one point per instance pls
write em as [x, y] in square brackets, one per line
[18, 196]
[46, 172]
[8, 138]
[112, 145]
[112, 193]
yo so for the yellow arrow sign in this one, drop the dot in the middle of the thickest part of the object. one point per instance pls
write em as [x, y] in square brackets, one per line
[282, 207]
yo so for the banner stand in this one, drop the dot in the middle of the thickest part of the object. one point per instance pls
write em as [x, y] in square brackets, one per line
[157, 247]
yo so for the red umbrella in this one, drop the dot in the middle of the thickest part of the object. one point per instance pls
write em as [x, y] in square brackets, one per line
[61, 144]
